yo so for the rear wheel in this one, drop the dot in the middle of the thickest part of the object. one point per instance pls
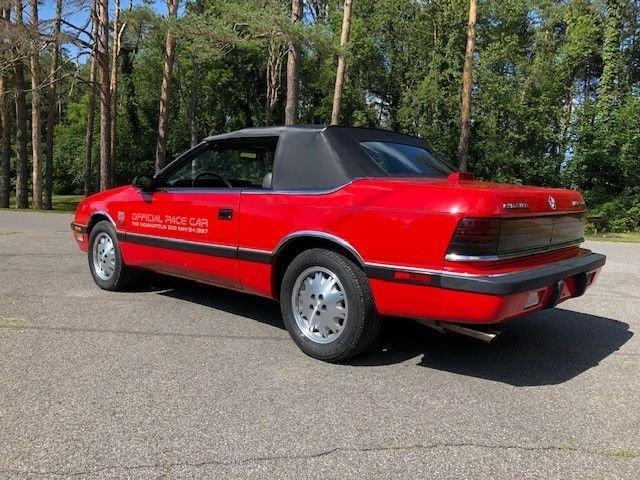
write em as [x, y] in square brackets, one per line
[105, 259]
[327, 306]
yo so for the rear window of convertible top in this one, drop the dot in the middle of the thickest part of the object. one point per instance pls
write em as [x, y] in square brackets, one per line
[400, 160]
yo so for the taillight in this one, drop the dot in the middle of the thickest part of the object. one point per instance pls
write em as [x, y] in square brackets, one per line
[475, 236]
[501, 238]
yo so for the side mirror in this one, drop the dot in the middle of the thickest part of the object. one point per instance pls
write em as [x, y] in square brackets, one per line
[145, 184]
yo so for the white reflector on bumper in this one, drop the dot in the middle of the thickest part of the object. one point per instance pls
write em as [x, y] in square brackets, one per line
[532, 300]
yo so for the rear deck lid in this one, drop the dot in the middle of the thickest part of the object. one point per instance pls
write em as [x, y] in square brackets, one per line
[532, 220]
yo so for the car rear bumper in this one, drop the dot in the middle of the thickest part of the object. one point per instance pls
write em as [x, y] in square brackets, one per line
[527, 280]
[485, 298]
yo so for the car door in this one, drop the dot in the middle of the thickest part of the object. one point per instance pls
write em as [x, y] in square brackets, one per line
[188, 225]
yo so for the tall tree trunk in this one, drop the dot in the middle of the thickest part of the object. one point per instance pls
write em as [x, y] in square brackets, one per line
[566, 124]
[194, 87]
[293, 67]
[91, 114]
[5, 150]
[610, 84]
[193, 103]
[102, 59]
[163, 117]
[130, 90]
[118, 30]
[344, 38]
[36, 108]
[93, 73]
[273, 71]
[22, 161]
[5, 128]
[467, 83]
[245, 106]
[51, 108]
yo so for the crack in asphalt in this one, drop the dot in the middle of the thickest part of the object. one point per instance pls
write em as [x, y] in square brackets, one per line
[141, 332]
[323, 453]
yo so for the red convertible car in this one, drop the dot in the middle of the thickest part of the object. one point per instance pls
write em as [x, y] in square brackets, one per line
[342, 225]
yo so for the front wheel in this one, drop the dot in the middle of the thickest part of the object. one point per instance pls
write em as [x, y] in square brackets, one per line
[327, 306]
[105, 259]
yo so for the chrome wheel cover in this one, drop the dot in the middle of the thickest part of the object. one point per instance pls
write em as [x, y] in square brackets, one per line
[104, 256]
[320, 305]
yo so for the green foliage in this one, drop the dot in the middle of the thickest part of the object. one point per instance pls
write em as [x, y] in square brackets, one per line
[69, 149]
[621, 214]
[556, 91]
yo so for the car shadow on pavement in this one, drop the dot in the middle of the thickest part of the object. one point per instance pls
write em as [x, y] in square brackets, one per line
[546, 348]
[257, 308]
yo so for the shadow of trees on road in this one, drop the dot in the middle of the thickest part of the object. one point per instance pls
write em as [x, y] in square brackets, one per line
[546, 348]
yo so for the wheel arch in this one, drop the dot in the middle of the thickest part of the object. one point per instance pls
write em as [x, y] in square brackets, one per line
[294, 244]
[96, 217]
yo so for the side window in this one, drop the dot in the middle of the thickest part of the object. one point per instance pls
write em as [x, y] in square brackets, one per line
[227, 166]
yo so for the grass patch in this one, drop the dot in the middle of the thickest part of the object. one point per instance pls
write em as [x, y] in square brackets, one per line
[620, 453]
[61, 204]
[66, 203]
[632, 237]
[8, 326]
[13, 322]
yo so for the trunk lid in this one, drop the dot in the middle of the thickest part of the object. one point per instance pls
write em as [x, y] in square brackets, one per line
[518, 200]
[534, 219]
[506, 200]
[524, 220]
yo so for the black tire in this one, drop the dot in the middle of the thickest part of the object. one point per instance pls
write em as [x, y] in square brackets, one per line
[123, 277]
[362, 323]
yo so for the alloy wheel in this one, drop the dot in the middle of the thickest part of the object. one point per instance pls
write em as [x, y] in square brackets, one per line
[320, 305]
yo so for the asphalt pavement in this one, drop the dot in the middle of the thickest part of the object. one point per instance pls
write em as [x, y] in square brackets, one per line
[181, 380]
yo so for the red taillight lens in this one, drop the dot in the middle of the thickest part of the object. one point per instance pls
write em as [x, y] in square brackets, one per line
[475, 236]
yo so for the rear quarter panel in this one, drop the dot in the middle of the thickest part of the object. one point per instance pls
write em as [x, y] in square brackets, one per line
[409, 226]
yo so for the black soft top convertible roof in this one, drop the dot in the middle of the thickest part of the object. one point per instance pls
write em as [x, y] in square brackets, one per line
[319, 157]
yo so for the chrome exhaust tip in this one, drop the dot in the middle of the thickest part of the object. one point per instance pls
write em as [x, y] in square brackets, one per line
[483, 335]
